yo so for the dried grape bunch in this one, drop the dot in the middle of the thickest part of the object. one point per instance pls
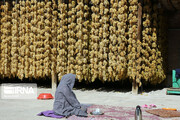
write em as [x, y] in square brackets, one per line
[53, 42]
[39, 43]
[21, 50]
[161, 44]
[1, 14]
[117, 45]
[113, 53]
[5, 40]
[94, 41]
[134, 44]
[33, 39]
[146, 41]
[152, 68]
[81, 44]
[149, 41]
[122, 39]
[27, 40]
[71, 37]
[103, 40]
[48, 36]
[62, 39]
[85, 43]
[79, 39]
[15, 39]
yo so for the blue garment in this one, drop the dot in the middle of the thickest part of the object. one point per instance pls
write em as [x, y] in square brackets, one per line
[177, 73]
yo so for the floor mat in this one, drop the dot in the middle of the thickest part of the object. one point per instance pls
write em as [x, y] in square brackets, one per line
[114, 113]
[164, 113]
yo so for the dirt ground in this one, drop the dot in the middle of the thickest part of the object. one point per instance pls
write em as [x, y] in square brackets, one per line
[28, 109]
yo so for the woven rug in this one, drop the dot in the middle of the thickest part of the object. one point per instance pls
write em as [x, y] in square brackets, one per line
[114, 113]
[164, 113]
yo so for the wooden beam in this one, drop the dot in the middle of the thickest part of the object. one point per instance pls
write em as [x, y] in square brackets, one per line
[139, 21]
[135, 85]
[54, 81]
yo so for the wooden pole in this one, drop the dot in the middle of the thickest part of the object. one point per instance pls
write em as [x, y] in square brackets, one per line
[139, 21]
[135, 85]
[54, 81]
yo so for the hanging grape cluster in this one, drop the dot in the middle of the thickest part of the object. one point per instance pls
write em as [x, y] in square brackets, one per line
[62, 39]
[94, 39]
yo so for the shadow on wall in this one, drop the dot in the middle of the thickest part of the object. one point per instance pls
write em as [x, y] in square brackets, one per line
[173, 53]
[173, 41]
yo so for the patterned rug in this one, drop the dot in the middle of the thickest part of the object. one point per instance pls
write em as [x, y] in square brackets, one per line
[114, 113]
[164, 113]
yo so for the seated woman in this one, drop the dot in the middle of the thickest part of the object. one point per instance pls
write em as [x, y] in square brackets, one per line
[66, 103]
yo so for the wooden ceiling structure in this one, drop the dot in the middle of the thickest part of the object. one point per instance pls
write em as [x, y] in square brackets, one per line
[173, 10]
